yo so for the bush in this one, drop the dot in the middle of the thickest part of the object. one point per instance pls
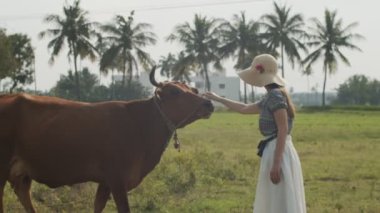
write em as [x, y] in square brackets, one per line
[359, 90]
[91, 91]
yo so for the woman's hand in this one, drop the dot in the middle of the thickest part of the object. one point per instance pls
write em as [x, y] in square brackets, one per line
[233, 105]
[275, 174]
[212, 96]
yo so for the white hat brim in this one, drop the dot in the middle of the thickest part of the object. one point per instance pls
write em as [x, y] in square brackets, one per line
[248, 76]
[255, 78]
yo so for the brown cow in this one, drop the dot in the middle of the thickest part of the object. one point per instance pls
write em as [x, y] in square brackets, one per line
[116, 144]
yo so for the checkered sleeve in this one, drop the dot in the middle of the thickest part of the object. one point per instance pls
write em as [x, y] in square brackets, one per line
[260, 103]
[276, 100]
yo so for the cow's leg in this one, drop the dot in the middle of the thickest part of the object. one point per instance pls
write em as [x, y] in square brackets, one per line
[120, 196]
[21, 186]
[5, 156]
[102, 195]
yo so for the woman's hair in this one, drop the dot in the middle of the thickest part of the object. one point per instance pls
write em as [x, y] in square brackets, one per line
[291, 109]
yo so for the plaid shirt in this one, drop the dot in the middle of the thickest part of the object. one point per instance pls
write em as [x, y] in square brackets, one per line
[271, 102]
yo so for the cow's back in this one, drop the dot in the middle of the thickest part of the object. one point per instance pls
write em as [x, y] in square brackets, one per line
[18, 114]
[59, 142]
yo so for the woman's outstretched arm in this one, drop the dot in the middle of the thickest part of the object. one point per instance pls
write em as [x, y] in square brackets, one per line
[234, 105]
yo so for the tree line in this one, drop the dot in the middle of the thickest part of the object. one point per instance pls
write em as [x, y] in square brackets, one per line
[206, 41]
[92, 91]
[359, 90]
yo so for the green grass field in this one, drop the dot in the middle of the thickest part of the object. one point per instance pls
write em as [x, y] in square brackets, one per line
[217, 168]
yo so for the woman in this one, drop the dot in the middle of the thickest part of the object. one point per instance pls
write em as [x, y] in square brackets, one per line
[280, 184]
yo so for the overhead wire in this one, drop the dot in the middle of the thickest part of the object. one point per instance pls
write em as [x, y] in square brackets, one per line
[147, 8]
[141, 8]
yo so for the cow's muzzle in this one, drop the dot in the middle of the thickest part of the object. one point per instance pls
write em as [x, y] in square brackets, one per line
[208, 108]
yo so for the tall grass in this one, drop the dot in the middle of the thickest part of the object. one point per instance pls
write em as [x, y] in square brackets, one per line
[217, 168]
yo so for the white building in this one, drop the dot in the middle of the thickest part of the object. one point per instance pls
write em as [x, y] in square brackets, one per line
[225, 86]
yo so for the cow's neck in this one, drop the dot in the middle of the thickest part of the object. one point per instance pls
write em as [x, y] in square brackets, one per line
[162, 124]
[159, 138]
[161, 134]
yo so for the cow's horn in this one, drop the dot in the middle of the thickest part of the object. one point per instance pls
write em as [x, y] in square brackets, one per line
[152, 79]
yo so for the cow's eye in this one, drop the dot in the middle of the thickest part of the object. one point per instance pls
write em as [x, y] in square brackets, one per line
[175, 92]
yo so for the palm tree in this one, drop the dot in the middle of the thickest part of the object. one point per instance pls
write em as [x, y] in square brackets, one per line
[175, 67]
[200, 44]
[178, 68]
[329, 38]
[241, 40]
[182, 68]
[74, 29]
[104, 64]
[126, 41]
[307, 72]
[166, 64]
[284, 31]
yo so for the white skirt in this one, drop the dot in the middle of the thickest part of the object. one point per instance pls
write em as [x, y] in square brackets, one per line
[288, 196]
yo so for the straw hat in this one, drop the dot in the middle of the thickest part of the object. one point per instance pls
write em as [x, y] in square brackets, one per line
[262, 72]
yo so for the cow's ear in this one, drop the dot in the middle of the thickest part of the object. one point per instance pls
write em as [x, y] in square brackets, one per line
[158, 93]
[163, 94]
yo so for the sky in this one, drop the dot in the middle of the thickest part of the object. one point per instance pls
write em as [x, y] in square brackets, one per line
[25, 16]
